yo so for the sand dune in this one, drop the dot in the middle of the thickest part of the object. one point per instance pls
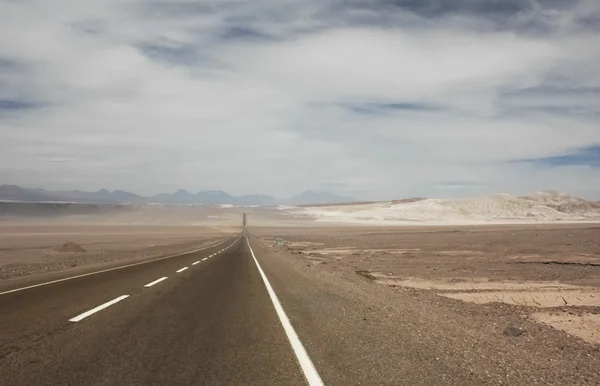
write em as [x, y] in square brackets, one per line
[542, 207]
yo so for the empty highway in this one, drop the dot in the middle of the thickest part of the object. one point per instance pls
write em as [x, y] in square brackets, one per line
[240, 313]
[203, 318]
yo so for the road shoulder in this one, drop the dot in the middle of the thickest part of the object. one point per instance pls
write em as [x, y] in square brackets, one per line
[357, 332]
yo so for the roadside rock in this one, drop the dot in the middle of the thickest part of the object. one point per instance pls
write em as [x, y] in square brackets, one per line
[513, 331]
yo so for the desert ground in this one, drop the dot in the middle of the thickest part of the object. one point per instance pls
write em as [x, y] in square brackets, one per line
[523, 299]
[546, 273]
[27, 250]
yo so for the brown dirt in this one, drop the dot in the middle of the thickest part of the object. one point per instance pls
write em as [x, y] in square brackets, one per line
[585, 326]
[516, 269]
[70, 247]
[32, 249]
[522, 253]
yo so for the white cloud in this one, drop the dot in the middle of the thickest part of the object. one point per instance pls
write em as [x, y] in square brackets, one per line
[278, 97]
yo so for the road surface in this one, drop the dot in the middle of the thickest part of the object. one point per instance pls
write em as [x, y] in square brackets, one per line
[231, 315]
[204, 318]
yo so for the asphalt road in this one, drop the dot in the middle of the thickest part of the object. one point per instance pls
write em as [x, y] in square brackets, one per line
[241, 316]
[212, 323]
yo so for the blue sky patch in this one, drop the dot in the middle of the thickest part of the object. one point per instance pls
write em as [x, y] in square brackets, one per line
[587, 156]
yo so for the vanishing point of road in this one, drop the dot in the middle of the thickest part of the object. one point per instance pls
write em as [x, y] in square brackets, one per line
[208, 317]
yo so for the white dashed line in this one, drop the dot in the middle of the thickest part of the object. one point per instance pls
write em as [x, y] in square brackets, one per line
[308, 368]
[108, 270]
[155, 282]
[182, 269]
[195, 262]
[99, 308]
[206, 258]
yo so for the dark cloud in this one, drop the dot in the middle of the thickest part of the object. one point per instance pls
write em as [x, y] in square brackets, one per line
[555, 98]
[384, 108]
[244, 33]
[8, 104]
[493, 9]
[178, 9]
[554, 89]
[173, 54]
[488, 8]
[7, 64]
[533, 17]
[589, 22]
[89, 27]
[13, 74]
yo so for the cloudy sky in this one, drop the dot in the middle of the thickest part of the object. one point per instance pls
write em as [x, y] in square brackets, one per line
[375, 99]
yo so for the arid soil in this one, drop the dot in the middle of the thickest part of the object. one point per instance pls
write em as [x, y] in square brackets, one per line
[32, 249]
[506, 305]
[548, 274]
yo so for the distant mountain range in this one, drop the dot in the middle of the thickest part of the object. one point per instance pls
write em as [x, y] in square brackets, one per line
[209, 197]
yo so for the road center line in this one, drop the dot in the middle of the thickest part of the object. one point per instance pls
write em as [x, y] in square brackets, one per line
[195, 262]
[109, 269]
[182, 269]
[155, 282]
[308, 368]
[99, 308]
[206, 258]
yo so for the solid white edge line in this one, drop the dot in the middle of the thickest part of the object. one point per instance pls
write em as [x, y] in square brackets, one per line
[155, 282]
[196, 262]
[308, 368]
[99, 308]
[108, 270]
[182, 269]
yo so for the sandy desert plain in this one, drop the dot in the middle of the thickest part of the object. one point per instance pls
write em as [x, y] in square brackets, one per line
[528, 277]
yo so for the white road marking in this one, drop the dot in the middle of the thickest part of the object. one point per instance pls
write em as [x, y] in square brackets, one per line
[196, 262]
[155, 282]
[308, 368]
[108, 270]
[206, 258]
[99, 308]
[182, 269]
